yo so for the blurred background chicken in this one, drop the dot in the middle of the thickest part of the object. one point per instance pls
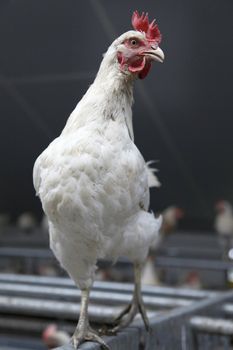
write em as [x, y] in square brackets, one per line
[171, 217]
[224, 225]
[27, 222]
[54, 337]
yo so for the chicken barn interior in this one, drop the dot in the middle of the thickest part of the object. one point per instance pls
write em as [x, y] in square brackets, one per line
[137, 209]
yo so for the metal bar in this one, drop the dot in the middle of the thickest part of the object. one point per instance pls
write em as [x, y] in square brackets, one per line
[27, 324]
[11, 348]
[212, 325]
[129, 338]
[160, 261]
[171, 323]
[36, 280]
[184, 263]
[208, 238]
[20, 342]
[193, 252]
[25, 253]
[57, 309]
[228, 309]
[100, 297]
[109, 286]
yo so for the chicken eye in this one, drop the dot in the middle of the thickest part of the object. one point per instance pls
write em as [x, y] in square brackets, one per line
[133, 42]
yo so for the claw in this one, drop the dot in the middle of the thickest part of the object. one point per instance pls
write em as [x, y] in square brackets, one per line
[122, 314]
[137, 305]
[94, 337]
[88, 334]
[119, 322]
[106, 330]
[83, 331]
[125, 318]
[142, 311]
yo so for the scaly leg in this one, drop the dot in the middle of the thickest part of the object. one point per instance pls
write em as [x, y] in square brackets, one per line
[83, 331]
[137, 305]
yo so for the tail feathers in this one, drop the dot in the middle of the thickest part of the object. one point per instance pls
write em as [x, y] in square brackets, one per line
[153, 180]
[141, 232]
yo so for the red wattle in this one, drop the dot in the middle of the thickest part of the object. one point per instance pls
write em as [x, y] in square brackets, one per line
[137, 65]
[145, 70]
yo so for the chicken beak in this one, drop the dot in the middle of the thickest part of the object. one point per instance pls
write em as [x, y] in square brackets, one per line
[155, 54]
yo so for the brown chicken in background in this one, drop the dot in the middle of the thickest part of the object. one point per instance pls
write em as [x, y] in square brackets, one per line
[53, 337]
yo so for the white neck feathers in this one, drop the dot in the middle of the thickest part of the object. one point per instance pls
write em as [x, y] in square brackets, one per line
[109, 97]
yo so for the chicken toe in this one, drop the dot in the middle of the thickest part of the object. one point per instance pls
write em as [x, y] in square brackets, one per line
[87, 334]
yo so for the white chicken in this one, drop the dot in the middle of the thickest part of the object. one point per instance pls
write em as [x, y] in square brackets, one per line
[224, 225]
[93, 181]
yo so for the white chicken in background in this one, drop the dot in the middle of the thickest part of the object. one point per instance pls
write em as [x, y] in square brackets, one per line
[93, 181]
[224, 225]
[171, 217]
[53, 337]
[149, 274]
[27, 222]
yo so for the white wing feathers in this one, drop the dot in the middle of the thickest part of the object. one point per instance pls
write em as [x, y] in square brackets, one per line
[153, 181]
[36, 176]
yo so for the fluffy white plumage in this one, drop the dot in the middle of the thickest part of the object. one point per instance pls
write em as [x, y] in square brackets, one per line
[93, 181]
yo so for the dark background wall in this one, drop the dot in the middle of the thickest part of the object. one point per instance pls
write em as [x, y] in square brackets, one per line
[50, 53]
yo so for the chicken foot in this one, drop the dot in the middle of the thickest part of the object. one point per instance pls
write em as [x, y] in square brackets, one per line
[83, 331]
[137, 305]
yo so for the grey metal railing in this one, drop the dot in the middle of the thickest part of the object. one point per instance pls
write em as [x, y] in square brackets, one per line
[180, 329]
[180, 319]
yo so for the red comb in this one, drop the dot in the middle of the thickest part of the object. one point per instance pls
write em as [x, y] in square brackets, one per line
[142, 24]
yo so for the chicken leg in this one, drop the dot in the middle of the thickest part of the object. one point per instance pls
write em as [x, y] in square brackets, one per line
[137, 305]
[83, 331]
